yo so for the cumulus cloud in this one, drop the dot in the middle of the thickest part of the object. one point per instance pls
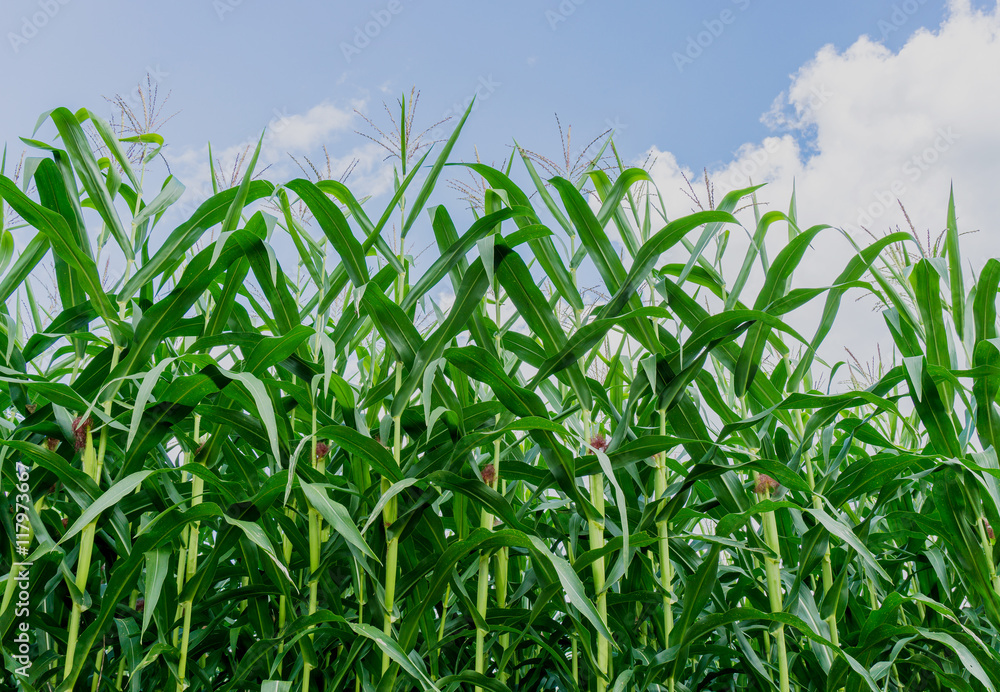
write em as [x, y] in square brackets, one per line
[301, 131]
[860, 128]
[288, 135]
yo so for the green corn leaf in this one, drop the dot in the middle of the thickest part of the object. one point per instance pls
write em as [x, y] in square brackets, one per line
[933, 413]
[775, 286]
[25, 263]
[926, 286]
[425, 190]
[481, 365]
[533, 309]
[335, 227]
[985, 389]
[210, 213]
[697, 592]
[448, 259]
[64, 244]
[958, 516]
[85, 164]
[726, 206]
[271, 350]
[984, 310]
[544, 249]
[53, 194]
[356, 443]
[157, 566]
[854, 270]
[113, 144]
[955, 267]
[473, 288]
[233, 214]
[651, 250]
[337, 516]
[171, 191]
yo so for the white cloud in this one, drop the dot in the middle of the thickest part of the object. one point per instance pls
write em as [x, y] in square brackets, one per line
[302, 131]
[877, 125]
[301, 135]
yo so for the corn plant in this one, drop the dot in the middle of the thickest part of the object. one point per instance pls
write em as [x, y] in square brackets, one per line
[221, 471]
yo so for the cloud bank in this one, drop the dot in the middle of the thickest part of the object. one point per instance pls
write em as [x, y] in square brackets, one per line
[858, 130]
[288, 135]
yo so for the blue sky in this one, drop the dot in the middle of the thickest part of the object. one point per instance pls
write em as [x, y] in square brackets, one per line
[858, 103]
[230, 65]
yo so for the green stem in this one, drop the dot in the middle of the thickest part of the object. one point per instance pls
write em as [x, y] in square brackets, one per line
[181, 562]
[502, 554]
[98, 669]
[132, 601]
[817, 502]
[197, 492]
[314, 553]
[772, 567]
[17, 567]
[481, 603]
[663, 531]
[93, 464]
[482, 600]
[186, 547]
[440, 634]
[389, 518]
[286, 551]
[596, 528]
[576, 660]
[501, 586]
[571, 557]
[988, 550]
[83, 560]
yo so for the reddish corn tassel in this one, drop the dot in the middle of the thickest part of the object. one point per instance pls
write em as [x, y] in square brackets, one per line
[80, 429]
[599, 442]
[765, 484]
[490, 474]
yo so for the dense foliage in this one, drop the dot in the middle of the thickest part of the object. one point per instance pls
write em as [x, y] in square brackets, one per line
[232, 474]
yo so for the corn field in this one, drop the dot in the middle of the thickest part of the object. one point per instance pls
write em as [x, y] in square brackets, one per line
[224, 472]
